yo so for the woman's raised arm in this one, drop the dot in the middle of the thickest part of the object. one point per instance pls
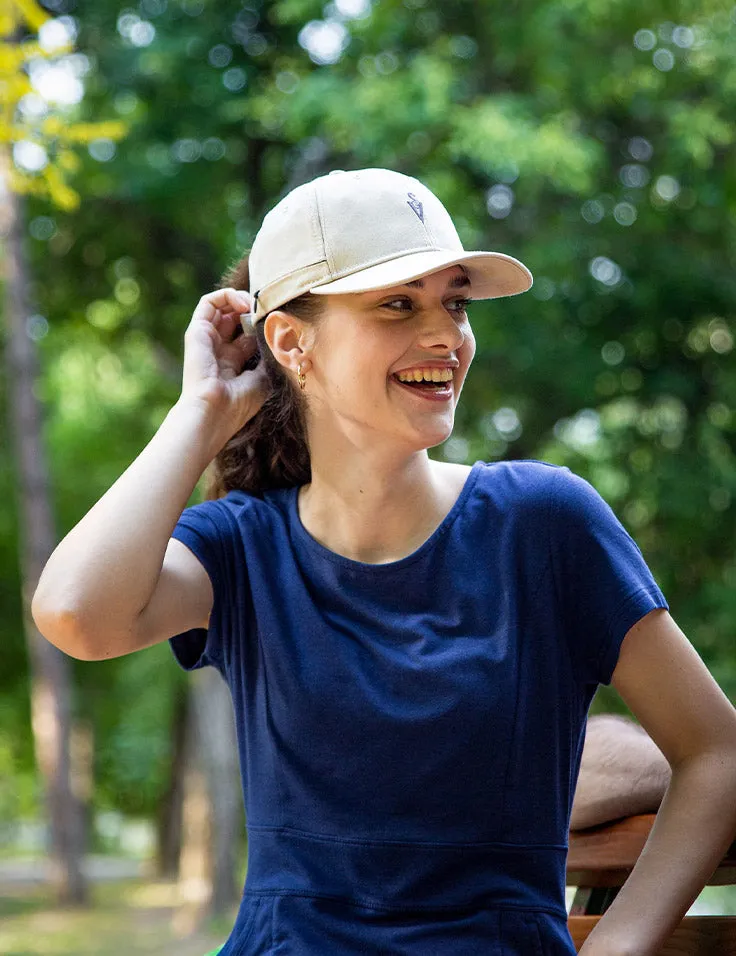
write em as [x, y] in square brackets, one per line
[115, 583]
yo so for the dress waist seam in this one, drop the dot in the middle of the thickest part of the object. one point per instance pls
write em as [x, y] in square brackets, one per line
[429, 844]
[276, 892]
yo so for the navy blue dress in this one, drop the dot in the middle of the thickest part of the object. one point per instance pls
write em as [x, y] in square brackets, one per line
[410, 733]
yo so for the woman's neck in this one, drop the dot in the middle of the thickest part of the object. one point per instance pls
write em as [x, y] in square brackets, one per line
[377, 511]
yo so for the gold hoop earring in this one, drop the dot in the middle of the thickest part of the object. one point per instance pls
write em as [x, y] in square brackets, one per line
[301, 377]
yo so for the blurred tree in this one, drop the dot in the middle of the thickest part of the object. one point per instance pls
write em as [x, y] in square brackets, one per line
[50, 681]
[213, 807]
[50, 677]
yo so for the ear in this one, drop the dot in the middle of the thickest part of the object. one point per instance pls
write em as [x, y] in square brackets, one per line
[288, 338]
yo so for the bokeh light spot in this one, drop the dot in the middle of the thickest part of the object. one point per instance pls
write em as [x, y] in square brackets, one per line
[220, 55]
[499, 201]
[37, 327]
[645, 39]
[543, 288]
[29, 156]
[640, 149]
[186, 150]
[613, 353]
[507, 423]
[287, 81]
[634, 175]
[324, 40]
[42, 227]
[667, 188]
[683, 37]
[663, 59]
[353, 9]
[102, 149]
[592, 211]
[234, 79]
[605, 270]
[624, 213]
[456, 449]
[213, 148]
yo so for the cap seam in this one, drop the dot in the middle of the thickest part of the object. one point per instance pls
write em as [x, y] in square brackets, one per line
[290, 277]
[287, 275]
[430, 233]
[325, 244]
[377, 262]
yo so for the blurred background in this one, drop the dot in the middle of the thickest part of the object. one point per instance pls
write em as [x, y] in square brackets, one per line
[141, 145]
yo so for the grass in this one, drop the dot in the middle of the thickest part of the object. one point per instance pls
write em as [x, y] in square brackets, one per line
[136, 917]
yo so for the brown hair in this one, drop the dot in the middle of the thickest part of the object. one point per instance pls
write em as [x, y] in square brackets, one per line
[270, 450]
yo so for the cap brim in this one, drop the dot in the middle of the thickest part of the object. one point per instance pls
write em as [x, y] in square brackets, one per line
[491, 274]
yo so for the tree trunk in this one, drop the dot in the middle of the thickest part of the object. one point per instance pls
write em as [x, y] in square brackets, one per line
[49, 668]
[213, 811]
[216, 733]
[170, 814]
[195, 874]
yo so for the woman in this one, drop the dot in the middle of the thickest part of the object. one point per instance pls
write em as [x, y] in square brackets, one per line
[412, 646]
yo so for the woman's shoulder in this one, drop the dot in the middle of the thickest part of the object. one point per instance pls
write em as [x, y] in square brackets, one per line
[236, 507]
[526, 476]
[533, 487]
[529, 471]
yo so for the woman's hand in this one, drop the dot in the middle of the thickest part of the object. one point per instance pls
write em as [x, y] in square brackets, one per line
[95, 602]
[215, 354]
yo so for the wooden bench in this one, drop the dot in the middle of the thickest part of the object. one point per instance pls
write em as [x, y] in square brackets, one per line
[598, 862]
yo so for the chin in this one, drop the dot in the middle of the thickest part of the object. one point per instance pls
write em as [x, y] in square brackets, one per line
[430, 438]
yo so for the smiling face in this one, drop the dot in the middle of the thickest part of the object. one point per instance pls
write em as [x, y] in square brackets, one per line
[389, 365]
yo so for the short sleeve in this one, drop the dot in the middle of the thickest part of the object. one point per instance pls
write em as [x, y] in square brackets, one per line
[603, 583]
[209, 530]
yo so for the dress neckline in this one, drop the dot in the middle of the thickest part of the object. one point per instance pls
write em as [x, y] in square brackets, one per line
[310, 544]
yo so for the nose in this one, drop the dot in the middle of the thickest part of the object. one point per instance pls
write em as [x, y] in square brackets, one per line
[442, 330]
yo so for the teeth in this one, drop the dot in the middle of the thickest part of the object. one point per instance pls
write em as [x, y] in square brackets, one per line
[425, 375]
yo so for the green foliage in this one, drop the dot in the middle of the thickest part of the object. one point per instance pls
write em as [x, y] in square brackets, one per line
[591, 138]
[500, 135]
[132, 764]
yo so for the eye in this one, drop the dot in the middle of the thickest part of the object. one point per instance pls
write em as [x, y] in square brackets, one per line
[397, 305]
[405, 304]
[459, 305]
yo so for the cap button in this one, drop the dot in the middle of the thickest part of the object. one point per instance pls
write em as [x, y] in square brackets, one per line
[335, 172]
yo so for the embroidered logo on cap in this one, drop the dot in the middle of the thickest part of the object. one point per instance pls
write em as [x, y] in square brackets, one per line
[416, 206]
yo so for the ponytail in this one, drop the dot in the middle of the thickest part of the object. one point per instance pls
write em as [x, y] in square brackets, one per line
[270, 450]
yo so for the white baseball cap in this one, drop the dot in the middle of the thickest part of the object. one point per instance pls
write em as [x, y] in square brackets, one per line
[363, 230]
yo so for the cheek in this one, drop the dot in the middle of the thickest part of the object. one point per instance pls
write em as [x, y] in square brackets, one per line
[466, 352]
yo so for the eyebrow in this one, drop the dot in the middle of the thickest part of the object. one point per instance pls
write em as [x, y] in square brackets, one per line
[457, 282]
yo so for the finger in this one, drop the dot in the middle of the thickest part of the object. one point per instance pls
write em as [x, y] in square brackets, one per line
[245, 296]
[247, 345]
[229, 325]
[239, 355]
[223, 300]
[255, 385]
